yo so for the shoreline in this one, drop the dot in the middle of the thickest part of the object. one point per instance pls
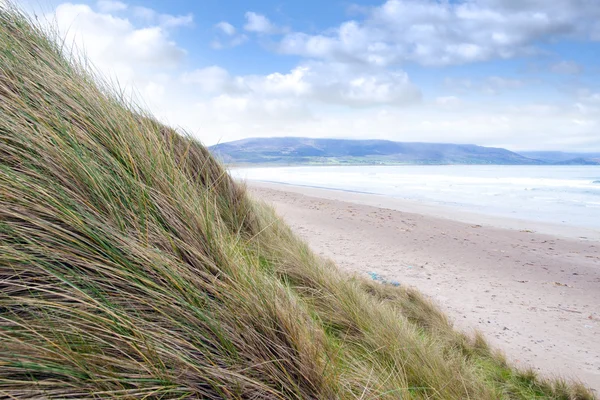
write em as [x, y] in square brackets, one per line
[435, 210]
[531, 288]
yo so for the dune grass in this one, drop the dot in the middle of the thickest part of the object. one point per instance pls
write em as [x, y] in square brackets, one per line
[132, 266]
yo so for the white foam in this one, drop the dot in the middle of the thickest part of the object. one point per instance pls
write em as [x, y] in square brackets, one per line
[556, 194]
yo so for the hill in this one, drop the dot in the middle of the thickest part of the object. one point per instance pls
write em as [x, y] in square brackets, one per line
[295, 150]
[132, 266]
[341, 151]
[564, 158]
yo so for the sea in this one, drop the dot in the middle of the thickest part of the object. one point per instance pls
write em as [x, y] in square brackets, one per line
[566, 195]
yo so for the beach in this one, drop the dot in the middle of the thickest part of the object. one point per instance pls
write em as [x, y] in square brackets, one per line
[532, 289]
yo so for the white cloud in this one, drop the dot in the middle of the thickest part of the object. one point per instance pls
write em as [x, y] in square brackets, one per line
[238, 40]
[226, 28]
[310, 99]
[260, 24]
[108, 6]
[337, 83]
[588, 105]
[257, 23]
[227, 37]
[567, 68]
[115, 46]
[145, 13]
[350, 91]
[322, 82]
[535, 126]
[210, 80]
[293, 84]
[253, 112]
[151, 16]
[447, 101]
[229, 107]
[171, 21]
[220, 43]
[432, 32]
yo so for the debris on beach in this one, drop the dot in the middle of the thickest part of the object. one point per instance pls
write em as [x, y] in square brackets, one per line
[561, 284]
[379, 278]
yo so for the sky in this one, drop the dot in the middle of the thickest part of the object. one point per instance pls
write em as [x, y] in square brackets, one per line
[519, 74]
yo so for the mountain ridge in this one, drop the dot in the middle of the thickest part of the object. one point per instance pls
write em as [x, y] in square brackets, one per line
[563, 157]
[301, 150]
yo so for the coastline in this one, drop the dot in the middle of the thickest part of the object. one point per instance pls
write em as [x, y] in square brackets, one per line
[435, 210]
[530, 287]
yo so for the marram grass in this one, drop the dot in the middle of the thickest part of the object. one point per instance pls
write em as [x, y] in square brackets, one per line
[132, 266]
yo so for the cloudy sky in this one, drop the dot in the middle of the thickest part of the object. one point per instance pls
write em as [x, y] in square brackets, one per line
[521, 74]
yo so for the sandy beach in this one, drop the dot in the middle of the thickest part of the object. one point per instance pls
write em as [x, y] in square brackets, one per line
[532, 289]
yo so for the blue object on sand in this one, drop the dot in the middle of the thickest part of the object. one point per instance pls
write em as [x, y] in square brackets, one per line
[376, 277]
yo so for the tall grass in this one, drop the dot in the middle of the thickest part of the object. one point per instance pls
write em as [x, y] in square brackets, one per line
[132, 266]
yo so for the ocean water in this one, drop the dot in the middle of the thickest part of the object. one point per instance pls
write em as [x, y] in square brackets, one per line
[566, 195]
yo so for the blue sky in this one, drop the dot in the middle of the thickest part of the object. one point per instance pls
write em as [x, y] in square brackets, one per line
[518, 74]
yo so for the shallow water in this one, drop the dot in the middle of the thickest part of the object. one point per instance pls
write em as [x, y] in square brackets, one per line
[567, 195]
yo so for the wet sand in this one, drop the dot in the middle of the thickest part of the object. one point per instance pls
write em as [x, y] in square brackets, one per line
[533, 289]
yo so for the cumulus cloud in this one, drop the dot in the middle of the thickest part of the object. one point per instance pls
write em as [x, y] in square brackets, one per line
[292, 103]
[228, 36]
[338, 83]
[210, 80]
[436, 33]
[351, 88]
[588, 107]
[258, 23]
[108, 6]
[138, 56]
[170, 21]
[327, 83]
[269, 114]
[114, 43]
[165, 20]
[530, 126]
[226, 28]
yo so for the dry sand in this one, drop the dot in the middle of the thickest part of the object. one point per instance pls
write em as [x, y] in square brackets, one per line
[536, 296]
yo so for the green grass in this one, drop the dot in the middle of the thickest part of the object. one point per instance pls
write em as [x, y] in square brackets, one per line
[132, 266]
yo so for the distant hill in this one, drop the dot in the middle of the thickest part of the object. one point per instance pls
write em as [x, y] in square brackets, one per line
[564, 158]
[296, 150]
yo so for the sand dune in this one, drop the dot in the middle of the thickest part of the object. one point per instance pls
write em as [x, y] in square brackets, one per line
[536, 296]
